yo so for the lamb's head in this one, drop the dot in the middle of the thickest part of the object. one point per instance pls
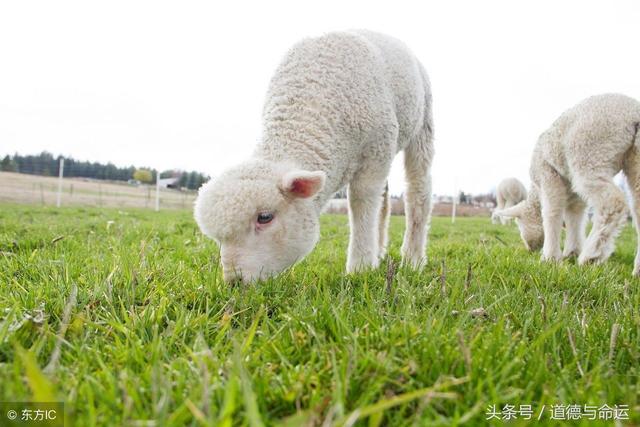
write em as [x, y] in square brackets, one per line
[529, 220]
[262, 215]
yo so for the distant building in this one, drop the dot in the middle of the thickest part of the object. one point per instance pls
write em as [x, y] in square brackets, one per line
[443, 199]
[172, 182]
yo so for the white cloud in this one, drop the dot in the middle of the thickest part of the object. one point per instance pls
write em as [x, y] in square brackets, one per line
[182, 84]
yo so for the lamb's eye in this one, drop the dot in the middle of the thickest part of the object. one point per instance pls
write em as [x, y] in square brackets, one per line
[265, 217]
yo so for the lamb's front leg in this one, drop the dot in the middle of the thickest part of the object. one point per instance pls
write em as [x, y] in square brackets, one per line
[574, 218]
[552, 224]
[552, 200]
[364, 217]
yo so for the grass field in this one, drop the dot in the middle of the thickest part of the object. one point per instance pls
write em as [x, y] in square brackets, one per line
[153, 337]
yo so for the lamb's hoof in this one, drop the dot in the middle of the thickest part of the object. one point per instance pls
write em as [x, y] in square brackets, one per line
[590, 258]
[551, 258]
[415, 263]
[570, 254]
[359, 267]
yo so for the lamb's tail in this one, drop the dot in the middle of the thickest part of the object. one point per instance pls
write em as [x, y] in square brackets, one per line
[636, 141]
[428, 119]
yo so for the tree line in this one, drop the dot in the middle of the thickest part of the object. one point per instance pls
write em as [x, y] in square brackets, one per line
[47, 164]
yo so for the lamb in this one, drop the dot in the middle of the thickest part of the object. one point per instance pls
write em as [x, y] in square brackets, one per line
[509, 193]
[338, 110]
[573, 165]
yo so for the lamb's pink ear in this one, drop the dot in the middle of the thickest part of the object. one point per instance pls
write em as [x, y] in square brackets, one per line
[303, 184]
[512, 212]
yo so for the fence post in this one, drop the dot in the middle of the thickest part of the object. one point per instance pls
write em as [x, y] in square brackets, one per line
[157, 190]
[455, 201]
[453, 209]
[60, 174]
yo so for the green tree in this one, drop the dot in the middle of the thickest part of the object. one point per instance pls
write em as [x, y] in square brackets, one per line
[170, 173]
[8, 164]
[143, 175]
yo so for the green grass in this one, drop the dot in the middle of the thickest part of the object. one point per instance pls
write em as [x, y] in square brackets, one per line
[154, 334]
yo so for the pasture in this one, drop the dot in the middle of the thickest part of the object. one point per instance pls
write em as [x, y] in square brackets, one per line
[42, 190]
[122, 315]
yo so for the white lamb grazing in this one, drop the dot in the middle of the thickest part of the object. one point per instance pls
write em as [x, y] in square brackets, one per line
[509, 193]
[338, 110]
[573, 164]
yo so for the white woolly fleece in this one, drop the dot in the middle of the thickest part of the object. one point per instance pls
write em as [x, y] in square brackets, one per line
[573, 165]
[338, 109]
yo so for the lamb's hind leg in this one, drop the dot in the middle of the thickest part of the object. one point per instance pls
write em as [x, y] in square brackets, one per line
[364, 218]
[385, 213]
[417, 163]
[632, 171]
[610, 215]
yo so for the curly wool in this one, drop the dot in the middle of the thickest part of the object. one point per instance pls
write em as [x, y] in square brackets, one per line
[573, 165]
[342, 100]
[338, 109]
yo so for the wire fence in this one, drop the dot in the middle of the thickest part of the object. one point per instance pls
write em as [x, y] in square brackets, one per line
[51, 191]
[68, 189]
